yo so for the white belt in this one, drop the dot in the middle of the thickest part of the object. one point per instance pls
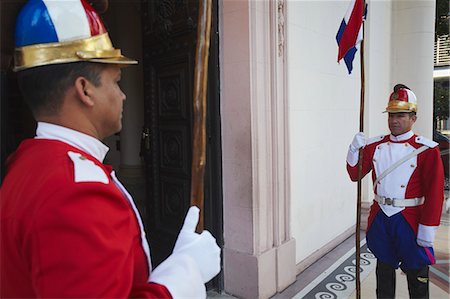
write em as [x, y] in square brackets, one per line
[399, 202]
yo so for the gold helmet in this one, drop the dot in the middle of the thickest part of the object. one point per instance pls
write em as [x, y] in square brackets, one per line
[402, 99]
[57, 31]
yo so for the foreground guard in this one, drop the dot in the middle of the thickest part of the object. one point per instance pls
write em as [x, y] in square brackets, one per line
[69, 229]
[408, 178]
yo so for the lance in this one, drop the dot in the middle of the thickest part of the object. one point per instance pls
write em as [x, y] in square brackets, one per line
[359, 186]
[199, 104]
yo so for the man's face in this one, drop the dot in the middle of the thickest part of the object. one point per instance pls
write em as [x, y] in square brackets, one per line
[401, 122]
[108, 102]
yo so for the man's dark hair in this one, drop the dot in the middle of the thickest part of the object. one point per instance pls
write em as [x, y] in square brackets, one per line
[43, 88]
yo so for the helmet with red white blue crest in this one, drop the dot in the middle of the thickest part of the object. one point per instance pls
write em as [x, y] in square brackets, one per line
[62, 31]
[402, 99]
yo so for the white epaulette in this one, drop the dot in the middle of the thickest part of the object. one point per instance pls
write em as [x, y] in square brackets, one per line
[425, 141]
[86, 170]
[375, 139]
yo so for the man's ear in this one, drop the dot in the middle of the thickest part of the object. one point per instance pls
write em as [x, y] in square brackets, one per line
[83, 89]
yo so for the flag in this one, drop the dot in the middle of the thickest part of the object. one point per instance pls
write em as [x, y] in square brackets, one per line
[350, 33]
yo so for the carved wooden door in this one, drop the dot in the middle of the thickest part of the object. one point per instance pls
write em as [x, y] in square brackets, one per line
[169, 49]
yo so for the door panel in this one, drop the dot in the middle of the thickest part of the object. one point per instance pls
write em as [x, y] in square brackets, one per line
[169, 157]
[169, 51]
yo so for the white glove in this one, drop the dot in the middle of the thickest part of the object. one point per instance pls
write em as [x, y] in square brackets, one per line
[202, 248]
[180, 275]
[358, 142]
[425, 235]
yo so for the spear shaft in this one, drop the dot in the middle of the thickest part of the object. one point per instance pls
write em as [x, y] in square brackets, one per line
[199, 105]
[359, 186]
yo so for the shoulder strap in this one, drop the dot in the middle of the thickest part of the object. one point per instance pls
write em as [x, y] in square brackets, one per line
[425, 141]
[398, 163]
[86, 170]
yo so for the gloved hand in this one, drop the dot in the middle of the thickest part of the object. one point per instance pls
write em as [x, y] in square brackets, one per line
[425, 235]
[359, 141]
[202, 248]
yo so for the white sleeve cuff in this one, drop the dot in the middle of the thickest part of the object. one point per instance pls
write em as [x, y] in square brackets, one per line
[426, 234]
[180, 275]
[352, 156]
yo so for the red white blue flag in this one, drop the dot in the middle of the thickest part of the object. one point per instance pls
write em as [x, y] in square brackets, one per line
[350, 33]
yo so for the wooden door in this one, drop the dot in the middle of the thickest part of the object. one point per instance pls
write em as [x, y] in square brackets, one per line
[170, 31]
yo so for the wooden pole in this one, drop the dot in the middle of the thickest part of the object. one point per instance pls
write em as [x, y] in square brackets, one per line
[199, 104]
[358, 202]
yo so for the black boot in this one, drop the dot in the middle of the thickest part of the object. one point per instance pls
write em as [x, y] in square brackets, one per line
[418, 283]
[385, 281]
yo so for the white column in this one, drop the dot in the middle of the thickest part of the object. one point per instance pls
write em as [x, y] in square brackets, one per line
[259, 252]
[280, 159]
[412, 61]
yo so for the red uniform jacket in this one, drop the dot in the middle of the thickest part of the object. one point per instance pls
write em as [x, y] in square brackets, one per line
[62, 238]
[420, 176]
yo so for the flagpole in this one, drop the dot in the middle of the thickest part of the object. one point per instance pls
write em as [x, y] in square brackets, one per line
[347, 38]
[358, 202]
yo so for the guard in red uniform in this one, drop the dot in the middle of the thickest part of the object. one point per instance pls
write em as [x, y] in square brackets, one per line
[69, 229]
[409, 191]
